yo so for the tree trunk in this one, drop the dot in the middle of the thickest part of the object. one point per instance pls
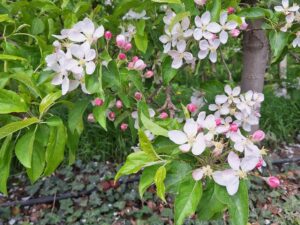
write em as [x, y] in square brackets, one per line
[255, 57]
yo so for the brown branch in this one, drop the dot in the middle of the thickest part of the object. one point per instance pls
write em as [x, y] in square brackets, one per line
[154, 93]
[168, 105]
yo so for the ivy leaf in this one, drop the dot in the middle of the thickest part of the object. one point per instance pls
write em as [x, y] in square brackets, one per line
[154, 128]
[278, 42]
[187, 199]
[11, 102]
[238, 204]
[159, 179]
[147, 178]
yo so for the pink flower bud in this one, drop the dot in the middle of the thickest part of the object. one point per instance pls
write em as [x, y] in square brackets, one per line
[272, 181]
[127, 46]
[244, 26]
[97, 102]
[135, 59]
[108, 35]
[130, 65]
[260, 163]
[218, 121]
[235, 32]
[230, 10]
[191, 107]
[163, 115]
[119, 104]
[149, 74]
[120, 40]
[234, 127]
[91, 118]
[138, 96]
[122, 56]
[124, 126]
[258, 135]
[111, 116]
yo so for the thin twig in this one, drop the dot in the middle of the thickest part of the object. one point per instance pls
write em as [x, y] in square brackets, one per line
[225, 64]
[168, 105]
[154, 93]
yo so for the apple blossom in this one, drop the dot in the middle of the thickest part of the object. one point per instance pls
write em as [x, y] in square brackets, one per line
[188, 138]
[111, 116]
[221, 106]
[235, 32]
[200, 2]
[272, 181]
[119, 104]
[121, 41]
[239, 168]
[84, 31]
[124, 126]
[226, 26]
[198, 174]
[132, 15]
[296, 41]
[285, 8]
[137, 64]
[179, 55]
[244, 25]
[127, 46]
[209, 47]
[289, 22]
[234, 127]
[149, 74]
[230, 10]
[91, 118]
[205, 27]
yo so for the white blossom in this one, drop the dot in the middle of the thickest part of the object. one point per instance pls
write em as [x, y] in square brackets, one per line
[133, 15]
[209, 47]
[226, 26]
[285, 8]
[296, 41]
[180, 54]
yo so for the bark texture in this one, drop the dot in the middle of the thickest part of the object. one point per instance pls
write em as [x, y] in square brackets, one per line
[255, 57]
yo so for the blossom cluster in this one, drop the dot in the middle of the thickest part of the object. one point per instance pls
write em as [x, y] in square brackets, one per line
[209, 36]
[74, 56]
[292, 16]
[226, 134]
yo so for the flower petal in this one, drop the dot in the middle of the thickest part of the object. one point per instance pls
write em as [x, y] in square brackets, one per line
[178, 137]
[90, 67]
[234, 161]
[213, 27]
[197, 174]
[185, 147]
[233, 187]
[190, 128]
[199, 145]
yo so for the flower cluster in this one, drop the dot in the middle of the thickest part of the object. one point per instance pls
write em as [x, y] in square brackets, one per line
[292, 16]
[209, 35]
[226, 135]
[74, 56]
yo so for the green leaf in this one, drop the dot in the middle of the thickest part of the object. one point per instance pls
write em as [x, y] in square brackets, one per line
[24, 148]
[187, 199]
[38, 162]
[136, 79]
[72, 143]
[209, 205]
[5, 18]
[37, 26]
[191, 7]
[55, 148]
[254, 13]
[159, 179]
[154, 128]
[141, 42]
[75, 116]
[238, 204]
[146, 145]
[147, 178]
[134, 162]
[11, 57]
[100, 116]
[15, 126]
[215, 8]
[48, 101]
[168, 1]
[278, 42]
[168, 72]
[11, 102]
[5, 160]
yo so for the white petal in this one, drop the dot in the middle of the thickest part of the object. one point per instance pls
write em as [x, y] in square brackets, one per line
[90, 55]
[234, 161]
[188, 56]
[213, 56]
[239, 146]
[178, 137]
[205, 18]
[223, 37]
[73, 85]
[197, 34]
[185, 147]
[201, 118]
[190, 128]
[181, 45]
[90, 67]
[278, 9]
[212, 107]
[285, 3]
[203, 45]
[224, 177]
[249, 163]
[185, 23]
[199, 145]
[164, 38]
[58, 79]
[231, 25]
[198, 21]
[99, 32]
[228, 89]
[65, 85]
[177, 63]
[221, 99]
[76, 36]
[210, 122]
[236, 91]
[88, 26]
[223, 18]
[233, 187]
[77, 51]
[213, 27]
[197, 174]
[188, 33]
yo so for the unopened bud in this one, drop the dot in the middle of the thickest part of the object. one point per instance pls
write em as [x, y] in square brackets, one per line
[191, 107]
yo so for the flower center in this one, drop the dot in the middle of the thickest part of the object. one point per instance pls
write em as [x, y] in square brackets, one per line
[242, 174]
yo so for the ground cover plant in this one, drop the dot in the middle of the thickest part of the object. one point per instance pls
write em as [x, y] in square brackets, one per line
[176, 87]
